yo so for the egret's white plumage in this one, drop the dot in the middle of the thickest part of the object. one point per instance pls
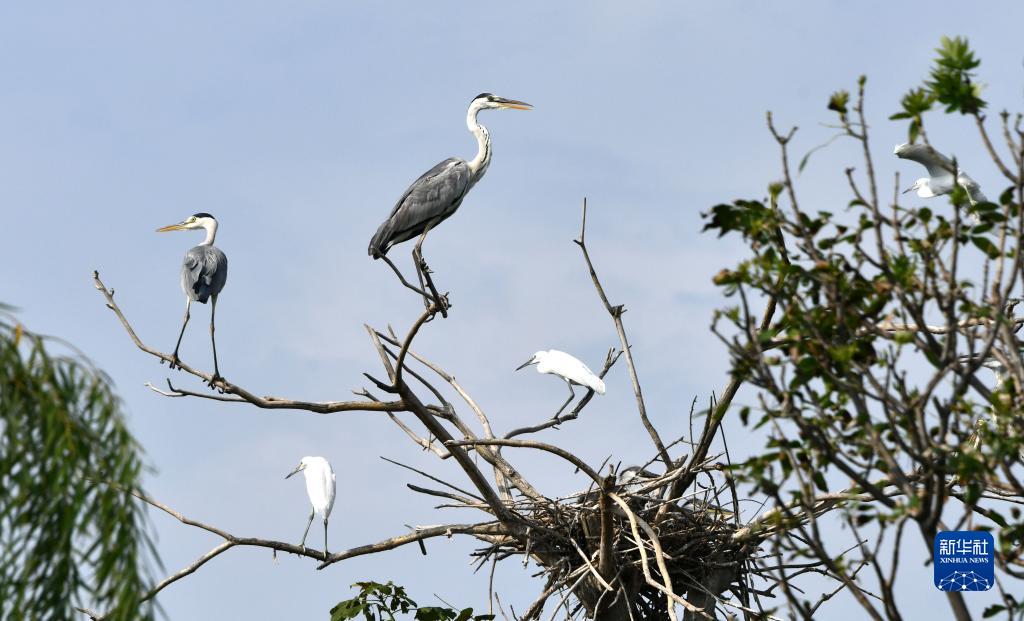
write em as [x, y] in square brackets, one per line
[940, 173]
[567, 367]
[320, 487]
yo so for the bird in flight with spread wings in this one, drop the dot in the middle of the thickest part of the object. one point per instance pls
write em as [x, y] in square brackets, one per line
[940, 173]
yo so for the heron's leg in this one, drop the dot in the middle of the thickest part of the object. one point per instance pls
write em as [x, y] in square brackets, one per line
[420, 265]
[302, 544]
[424, 273]
[325, 539]
[174, 356]
[213, 341]
[572, 395]
[401, 278]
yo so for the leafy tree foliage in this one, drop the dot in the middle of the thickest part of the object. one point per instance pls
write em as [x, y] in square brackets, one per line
[878, 317]
[382, 602]
[69, 533]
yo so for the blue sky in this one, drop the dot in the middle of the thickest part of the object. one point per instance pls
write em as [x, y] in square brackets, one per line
[298, 124]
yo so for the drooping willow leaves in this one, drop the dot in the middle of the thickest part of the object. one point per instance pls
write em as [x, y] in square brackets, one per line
[69, 534]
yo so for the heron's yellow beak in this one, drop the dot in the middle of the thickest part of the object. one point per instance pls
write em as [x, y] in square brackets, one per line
[171, 227]
[512, 104]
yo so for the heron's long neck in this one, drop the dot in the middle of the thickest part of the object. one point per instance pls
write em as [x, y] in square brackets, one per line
[482, 160]
[211, 233]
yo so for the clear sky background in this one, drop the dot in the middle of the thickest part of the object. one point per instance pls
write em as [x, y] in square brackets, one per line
[299, 124]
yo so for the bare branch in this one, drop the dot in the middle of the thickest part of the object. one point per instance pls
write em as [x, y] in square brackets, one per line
[616, 315]
[271, 403]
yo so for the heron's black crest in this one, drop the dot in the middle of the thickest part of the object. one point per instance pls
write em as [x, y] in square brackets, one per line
[488, 96]
[202, 214]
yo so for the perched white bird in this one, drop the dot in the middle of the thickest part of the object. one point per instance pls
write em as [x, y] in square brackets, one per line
[569, 369]
[940, 173]
[320, 488]
[633, 477]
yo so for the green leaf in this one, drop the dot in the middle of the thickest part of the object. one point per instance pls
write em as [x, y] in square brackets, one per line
[952, 77]
[67, 534]
[985, 245]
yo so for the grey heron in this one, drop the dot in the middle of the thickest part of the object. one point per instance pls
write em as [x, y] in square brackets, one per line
[203, 274]
[569, 368]
[320, 487]
[940, 173]
[437, 194]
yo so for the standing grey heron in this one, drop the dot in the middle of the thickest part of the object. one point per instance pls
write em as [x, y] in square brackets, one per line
[203, 274]
[436, 195]
[940, 173]
[320, 487]
[569, 368]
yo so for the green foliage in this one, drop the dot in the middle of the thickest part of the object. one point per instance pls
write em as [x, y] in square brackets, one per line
[66, 537]
[839, 102]
[952, 77]
[380, 602]
[850, 290]
[914, 104]
[951, 83]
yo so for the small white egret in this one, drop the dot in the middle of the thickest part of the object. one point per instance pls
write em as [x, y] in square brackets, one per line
[320, 487]
[569, 369]
[203, 275]
[940, 173]
[633, 477]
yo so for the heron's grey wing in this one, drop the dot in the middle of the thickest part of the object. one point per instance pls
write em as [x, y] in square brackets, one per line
[937, 164]
[430, 199]
[204, 272]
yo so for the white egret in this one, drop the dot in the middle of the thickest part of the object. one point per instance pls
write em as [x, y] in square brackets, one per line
[567, 367]
[203, 275]
[320, 487]
[940, 173]
[630, 479]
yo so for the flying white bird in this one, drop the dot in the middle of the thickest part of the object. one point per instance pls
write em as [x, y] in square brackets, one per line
[940, 173]
[320, 488]
[569, 369]
[1002, 375]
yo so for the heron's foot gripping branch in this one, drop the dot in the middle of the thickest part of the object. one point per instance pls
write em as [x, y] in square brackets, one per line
[174, 362]
[216, 382]
[239, 394]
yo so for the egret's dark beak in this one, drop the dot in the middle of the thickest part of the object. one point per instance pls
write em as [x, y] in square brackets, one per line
[298, 469]
[513, 104]
[172, 227]
[910, 189]
[527, 363]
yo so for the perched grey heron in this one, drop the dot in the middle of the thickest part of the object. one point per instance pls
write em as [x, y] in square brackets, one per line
[940, 173]
[320, 487]
[203, 274]
[437, 194]
[569, 368]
